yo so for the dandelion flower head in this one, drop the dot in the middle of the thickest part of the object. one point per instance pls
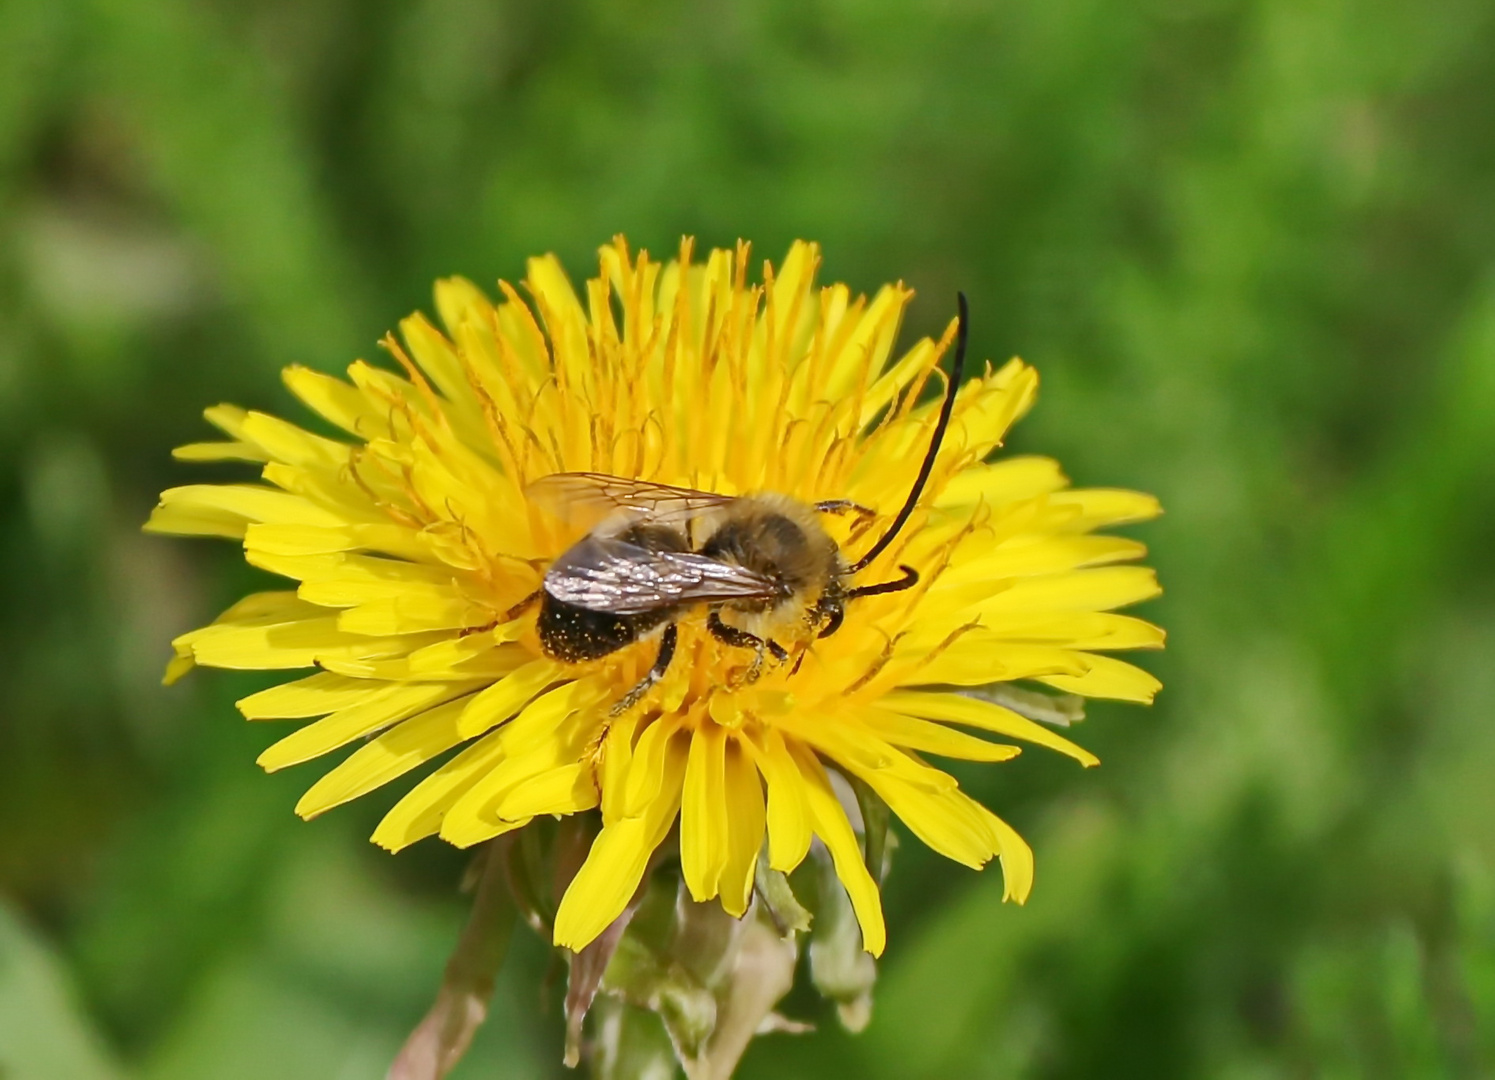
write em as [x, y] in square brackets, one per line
[413, 540]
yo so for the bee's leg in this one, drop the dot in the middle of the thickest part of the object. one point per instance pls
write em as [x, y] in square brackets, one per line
[865, 515]
[741, 639]
[655, 673]
[508, 616]
[524, 605]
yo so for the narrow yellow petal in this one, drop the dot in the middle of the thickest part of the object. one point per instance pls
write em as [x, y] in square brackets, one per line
[743, 799]
[978, 658]
[506, 697]
[950, 822]
[1016, 856]
[397, 540]
[619, 855]
[1030, 555]
[703, 817]
[336, 401]
[1075, 630]
[298, 643]
[247, 502]
[789, 832]
[1078, 590]
[219, 451]
[392, 754]
[552, 732]
[434, 353]
[379, 708]
[831, 825]
[315, 695]
[285, 442]
[419, 813]
[932, 738]
[982, 417]
[459, 300]
[617, 760]
[566, 789]
[177, 668]
[647, 769]
[1100, 507]
[413, 611]
[1108, 678]
[957, 709]
[1003, 481]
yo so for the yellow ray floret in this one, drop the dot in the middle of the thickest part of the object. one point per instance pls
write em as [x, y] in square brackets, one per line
[410, 546]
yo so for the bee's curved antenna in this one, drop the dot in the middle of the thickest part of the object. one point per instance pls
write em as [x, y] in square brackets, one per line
[956, 369]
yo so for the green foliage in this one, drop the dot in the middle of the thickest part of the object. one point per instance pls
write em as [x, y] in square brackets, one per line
[1248, 246]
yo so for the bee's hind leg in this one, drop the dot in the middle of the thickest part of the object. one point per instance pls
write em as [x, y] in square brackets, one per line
[655, 673]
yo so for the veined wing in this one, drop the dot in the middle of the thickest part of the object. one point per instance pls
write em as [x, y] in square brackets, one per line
[608, 574]
[585, 498]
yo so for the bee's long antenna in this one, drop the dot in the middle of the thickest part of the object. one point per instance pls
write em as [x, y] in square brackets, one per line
[956, 369]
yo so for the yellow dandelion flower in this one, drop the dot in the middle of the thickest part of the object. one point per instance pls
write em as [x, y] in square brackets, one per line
[419, 544]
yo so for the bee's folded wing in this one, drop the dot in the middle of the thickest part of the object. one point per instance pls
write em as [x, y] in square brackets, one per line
[612, 575]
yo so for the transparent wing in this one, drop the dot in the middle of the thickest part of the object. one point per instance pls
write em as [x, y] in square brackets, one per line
[608, 574]
[584, 498]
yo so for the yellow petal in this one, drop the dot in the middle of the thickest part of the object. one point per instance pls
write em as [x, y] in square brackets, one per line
[976, 659]
[743, 804]
[419, 813]
[1016, 856]
[617, 760]
[703, 816]
[1108, 677]
[954, 708]
[507, 696]
[1100, 507]
[459, 300]
[315, 695]
[931, 738]
[1004, 481]
[1075, 630]
[397, 540]
[285, 442]
[378, 709]
[984, 414]
[566, 789]
[1030, 555]
[336, 401]
[1079, 590]
[434, 353]
[619, 855]
[297, 643]
[949, 822]
[646, 770]
[831, 825]
[219, 451]
[553, 732]
[242, 502]
[789, 831]
[392, 754]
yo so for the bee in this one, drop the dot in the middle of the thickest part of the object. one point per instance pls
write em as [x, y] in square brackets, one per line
[758, 562]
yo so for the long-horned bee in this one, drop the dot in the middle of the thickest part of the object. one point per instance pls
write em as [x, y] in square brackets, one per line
[756, 561]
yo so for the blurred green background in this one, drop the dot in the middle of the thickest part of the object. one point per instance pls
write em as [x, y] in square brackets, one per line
[1250, 247]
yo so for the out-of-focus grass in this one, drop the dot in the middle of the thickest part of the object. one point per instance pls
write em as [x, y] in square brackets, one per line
[1250, 247]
